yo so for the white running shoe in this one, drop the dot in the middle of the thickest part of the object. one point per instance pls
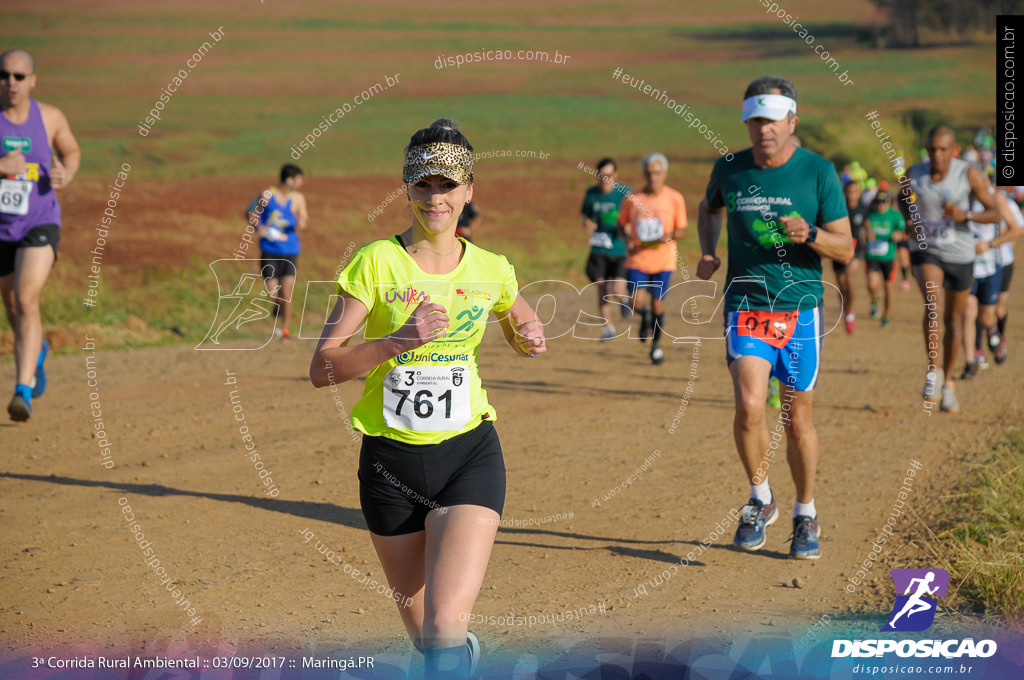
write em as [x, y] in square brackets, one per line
[949, 402]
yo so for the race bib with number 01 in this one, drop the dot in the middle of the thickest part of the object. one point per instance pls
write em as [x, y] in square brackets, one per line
[14, 195]
[427, 398]
[775, 328]
[649, 229]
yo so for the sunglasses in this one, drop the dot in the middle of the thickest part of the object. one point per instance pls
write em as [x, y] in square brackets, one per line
[4, 75]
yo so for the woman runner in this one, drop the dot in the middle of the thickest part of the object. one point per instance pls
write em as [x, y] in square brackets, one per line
[431, 472]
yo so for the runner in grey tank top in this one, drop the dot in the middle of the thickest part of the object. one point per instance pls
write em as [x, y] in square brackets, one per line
[942, 251]
[949, 240]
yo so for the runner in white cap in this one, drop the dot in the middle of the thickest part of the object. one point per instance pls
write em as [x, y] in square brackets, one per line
[786, 211]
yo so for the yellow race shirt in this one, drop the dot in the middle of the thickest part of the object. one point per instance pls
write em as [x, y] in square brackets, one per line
[434, 392]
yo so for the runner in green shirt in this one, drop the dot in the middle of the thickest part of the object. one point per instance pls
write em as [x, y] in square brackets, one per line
[606, 264]
[883, 229]
[785, 212]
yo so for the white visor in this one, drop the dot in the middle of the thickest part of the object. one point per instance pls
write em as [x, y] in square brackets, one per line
[770, 106]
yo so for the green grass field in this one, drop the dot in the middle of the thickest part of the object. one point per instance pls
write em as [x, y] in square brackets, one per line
[274, 76]
[982, 534]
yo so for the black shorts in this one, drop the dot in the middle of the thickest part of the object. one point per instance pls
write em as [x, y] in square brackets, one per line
[276, 266]
[884, 267]
[606, 267]
[1007, 277]
[956, 277]
[840, 268]
[43, 235]
[400, 483]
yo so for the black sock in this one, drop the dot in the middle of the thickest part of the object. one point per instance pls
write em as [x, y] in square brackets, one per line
[980, 335]
[1001, 325]
[446, 663]
[659, 321]
[647, 318]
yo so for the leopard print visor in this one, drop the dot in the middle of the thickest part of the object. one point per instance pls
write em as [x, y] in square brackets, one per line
[452, 161]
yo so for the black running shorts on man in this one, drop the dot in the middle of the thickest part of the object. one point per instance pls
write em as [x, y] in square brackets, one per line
[43, 235]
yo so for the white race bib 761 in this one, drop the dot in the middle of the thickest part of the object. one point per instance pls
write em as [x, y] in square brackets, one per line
[427, 398]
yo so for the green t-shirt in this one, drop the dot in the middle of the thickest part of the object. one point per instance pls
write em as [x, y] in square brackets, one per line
[603, 209]
[883, 226]
[434, 392]
[765, 270]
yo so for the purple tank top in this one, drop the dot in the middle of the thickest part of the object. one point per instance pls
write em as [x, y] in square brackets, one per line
[27, 200]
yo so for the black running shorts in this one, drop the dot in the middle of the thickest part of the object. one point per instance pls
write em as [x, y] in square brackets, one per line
[43, 235]
[400, 483]
[1007, 277]
[277, 266]
[605, 267]
[956, 277]
[884, 268]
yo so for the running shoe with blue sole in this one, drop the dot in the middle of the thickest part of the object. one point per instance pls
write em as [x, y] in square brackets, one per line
[39, 387]
[804, 544]
[755, 517]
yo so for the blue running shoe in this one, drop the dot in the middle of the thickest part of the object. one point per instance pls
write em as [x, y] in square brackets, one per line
[754, 518]
[39, 386]
[805, 538]
[20, 408]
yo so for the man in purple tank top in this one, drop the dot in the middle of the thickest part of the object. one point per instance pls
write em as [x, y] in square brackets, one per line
[30, 174]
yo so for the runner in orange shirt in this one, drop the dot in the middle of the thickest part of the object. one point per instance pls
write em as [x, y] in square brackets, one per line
[653, 219]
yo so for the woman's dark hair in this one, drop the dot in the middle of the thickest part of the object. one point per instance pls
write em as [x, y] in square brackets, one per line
[607, 161]
[442, 130]
[289, 170]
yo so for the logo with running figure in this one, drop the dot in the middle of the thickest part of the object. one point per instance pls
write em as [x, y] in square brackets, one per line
[914, 610]
[241, 311]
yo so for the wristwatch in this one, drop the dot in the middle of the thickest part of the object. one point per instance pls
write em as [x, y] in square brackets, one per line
[813, 235]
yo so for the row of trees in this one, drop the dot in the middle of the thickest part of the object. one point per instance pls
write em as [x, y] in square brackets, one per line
[951, 17]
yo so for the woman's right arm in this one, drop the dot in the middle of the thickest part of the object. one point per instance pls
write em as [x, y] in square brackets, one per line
[335, 362]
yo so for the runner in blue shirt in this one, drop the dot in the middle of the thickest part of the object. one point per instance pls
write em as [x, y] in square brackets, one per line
[281, 217]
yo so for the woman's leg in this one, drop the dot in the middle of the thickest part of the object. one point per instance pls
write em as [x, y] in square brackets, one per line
[442, 570]
[402, 558]
[458, 546]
